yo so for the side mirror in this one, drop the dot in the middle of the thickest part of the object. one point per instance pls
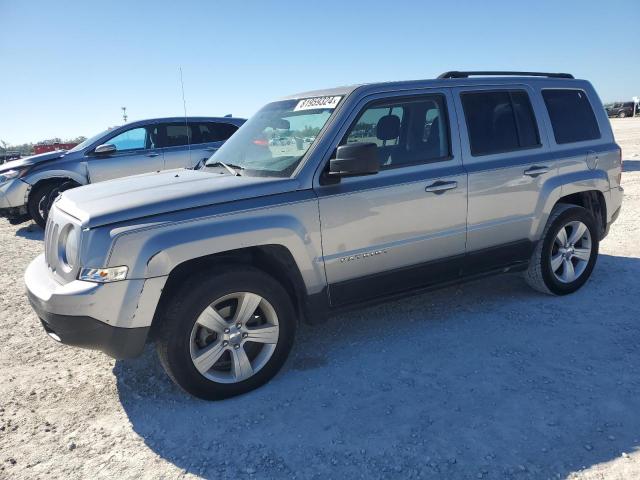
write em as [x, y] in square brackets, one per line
[355, 159]
[105, 149]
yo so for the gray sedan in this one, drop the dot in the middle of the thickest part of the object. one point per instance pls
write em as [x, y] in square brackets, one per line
[29, 185]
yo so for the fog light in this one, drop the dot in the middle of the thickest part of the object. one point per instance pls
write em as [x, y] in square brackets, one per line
[103, 275]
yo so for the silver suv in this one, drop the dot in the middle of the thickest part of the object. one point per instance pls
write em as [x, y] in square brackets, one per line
[28, 186]
[325, 200]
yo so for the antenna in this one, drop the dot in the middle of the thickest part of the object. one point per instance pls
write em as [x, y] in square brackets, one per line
[186, 123]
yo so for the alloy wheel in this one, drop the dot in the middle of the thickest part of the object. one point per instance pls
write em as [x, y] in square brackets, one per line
[234, 337]
[571, 252]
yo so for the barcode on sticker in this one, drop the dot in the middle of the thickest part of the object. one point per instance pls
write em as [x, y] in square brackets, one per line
[317, 102]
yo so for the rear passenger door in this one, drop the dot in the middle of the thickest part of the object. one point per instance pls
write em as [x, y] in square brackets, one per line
[506, 155]
[404, 227]
[176, 145]
[187, 144]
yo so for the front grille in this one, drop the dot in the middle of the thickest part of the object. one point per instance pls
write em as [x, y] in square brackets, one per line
[51, 233]
[57, 224]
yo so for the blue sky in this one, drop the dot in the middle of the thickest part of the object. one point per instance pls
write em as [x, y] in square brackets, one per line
[68, 66]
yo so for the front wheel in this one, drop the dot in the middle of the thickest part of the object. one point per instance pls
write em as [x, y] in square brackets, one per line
[566, 254]
[227, 334]
[622, 115]
[43, 196]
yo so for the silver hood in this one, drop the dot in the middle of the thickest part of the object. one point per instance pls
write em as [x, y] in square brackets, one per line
[163, 192]
[32, 160]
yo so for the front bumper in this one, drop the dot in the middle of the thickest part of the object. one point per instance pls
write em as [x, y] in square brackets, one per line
[112, 317]
[87, 332]
[13, 199]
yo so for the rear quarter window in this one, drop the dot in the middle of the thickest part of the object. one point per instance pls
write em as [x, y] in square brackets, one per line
[572, 117]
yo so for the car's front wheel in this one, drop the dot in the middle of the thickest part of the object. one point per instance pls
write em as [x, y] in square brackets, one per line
[227, 334]
[566, 254]
[42, 197]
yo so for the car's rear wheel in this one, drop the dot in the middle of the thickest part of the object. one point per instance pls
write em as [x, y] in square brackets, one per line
[622, 114]
[565, 256]
[227, 334]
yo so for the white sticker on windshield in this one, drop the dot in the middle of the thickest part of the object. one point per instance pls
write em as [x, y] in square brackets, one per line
[317, 102]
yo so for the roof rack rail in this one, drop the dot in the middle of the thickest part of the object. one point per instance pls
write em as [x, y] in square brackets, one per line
[488, 73]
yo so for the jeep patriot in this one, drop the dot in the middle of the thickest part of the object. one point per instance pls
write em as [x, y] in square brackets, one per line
[327, 200]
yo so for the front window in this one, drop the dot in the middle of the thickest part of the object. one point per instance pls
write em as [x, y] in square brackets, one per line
[274, 141]
[134, 139]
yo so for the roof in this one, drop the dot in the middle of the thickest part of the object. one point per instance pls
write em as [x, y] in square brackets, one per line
[191, 119]
[435, 82]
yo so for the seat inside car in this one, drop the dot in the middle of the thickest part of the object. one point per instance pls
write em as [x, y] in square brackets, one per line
[388, 129]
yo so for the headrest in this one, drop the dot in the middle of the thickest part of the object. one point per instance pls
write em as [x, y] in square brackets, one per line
[388, 127]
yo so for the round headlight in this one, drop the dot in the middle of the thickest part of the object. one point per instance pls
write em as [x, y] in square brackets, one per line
[68, 247]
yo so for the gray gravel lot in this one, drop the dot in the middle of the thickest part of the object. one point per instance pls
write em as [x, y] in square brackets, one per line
[489, 380]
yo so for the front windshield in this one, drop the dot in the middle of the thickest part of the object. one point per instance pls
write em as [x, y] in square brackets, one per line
[273, 141]
[89, 141]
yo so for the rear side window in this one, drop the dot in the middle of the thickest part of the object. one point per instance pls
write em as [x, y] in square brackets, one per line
[214, 132]
[177, 135]
[571, 115]
[499, 121]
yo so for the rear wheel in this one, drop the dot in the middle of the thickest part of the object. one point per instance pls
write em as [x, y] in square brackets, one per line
[622, 114]
[565, 256]
[227, 334]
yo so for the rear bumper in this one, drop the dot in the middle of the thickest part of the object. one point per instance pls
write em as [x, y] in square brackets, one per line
[614, 217]
[87, 332]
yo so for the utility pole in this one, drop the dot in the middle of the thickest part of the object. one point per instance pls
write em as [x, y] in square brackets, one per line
[124, 114]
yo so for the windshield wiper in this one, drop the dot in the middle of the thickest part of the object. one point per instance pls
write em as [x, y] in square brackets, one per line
[231, 168]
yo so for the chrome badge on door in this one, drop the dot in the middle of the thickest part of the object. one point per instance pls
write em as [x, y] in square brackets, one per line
[362, 256]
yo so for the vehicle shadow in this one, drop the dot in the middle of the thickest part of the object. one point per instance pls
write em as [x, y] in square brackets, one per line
[489, 379]
[31, 232]
[631, 165]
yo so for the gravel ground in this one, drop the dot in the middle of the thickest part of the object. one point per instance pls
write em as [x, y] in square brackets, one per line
[487, 380]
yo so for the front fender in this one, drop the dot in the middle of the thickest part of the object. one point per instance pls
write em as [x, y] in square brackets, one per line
[561, 186]
[36, 177]
[155, 251]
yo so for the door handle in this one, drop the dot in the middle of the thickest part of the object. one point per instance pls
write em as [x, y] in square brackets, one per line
[535, 171]
[152, 154]
[440, 187]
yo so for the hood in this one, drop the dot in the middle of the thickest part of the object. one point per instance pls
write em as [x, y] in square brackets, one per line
[162, 192]
[32, 160]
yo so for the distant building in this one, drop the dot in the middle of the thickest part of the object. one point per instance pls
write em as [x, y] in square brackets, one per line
[50, 147]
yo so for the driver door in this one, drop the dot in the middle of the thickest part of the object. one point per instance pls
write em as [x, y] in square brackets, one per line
[403, 228]
[135, 153]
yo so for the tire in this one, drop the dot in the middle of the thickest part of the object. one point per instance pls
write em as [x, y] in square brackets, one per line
[548, 270]
[42, 197]
[183, 339]
[622, 115]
